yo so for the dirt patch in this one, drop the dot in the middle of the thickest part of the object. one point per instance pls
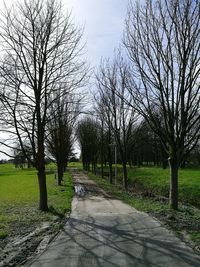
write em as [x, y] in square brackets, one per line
[28, 242]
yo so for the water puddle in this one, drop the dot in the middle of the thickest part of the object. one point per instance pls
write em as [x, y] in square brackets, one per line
[79, 190]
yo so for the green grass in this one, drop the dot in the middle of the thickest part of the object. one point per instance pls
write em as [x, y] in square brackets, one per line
[156, 180]
[19, 197]
[77, 165]
[195, 237]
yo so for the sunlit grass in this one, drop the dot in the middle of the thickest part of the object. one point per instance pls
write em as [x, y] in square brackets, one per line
[17, 186]
[157, 180]
[77, 165]
[19, 197]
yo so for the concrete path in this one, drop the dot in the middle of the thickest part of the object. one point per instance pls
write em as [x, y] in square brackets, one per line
[106, 232]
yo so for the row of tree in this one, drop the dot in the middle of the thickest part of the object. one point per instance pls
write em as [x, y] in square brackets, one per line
[144, 148]
[59, 138]
[41, 71]
[157, 82]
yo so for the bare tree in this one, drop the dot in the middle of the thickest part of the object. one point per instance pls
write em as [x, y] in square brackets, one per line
[40, 58]
[19, 158]
[163, 41]
[88, 134]
[106, 136]
[120, 117]
[61, 125]
[145, 147]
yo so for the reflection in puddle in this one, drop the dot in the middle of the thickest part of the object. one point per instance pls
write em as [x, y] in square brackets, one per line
[79, 190]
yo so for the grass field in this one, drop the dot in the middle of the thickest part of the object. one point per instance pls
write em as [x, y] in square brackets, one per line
[19, 198]
[156, 181]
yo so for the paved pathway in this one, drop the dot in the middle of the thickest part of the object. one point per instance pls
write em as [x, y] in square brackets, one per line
[106, 232]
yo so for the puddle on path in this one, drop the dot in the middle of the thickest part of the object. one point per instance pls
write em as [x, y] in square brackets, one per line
[79, 190]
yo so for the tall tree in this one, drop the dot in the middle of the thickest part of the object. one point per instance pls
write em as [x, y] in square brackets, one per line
[111, 84]
[106, 135]
[40, 57]
[88, 134]
[60, 139]
[163, 42]
[19, 158]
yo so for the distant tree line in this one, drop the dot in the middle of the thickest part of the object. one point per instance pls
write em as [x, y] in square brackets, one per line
[145, 148]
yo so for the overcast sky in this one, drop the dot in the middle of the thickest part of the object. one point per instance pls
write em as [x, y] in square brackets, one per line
[104, 23]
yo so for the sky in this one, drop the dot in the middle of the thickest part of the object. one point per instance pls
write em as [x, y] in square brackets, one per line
[103, 22]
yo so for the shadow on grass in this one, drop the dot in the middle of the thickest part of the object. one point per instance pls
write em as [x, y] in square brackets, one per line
[53, 211]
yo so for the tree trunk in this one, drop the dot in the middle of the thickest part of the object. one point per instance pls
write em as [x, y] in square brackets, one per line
[102, 150]
[40, 166]
[183, 165]
[130, 163]
[42, 189]
[110, 173]
[164, 164]
[125, 177]
[65, 166]
[173, 195]
[60, 174]
[84, 165]
[102, 170]
[88, 166]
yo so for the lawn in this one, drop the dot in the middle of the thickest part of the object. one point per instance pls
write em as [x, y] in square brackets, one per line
[156, 181]
[78, 165]
[19, 198]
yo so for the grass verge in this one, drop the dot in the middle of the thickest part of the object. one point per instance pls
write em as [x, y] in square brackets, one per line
[19, 197]
[155, 180]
